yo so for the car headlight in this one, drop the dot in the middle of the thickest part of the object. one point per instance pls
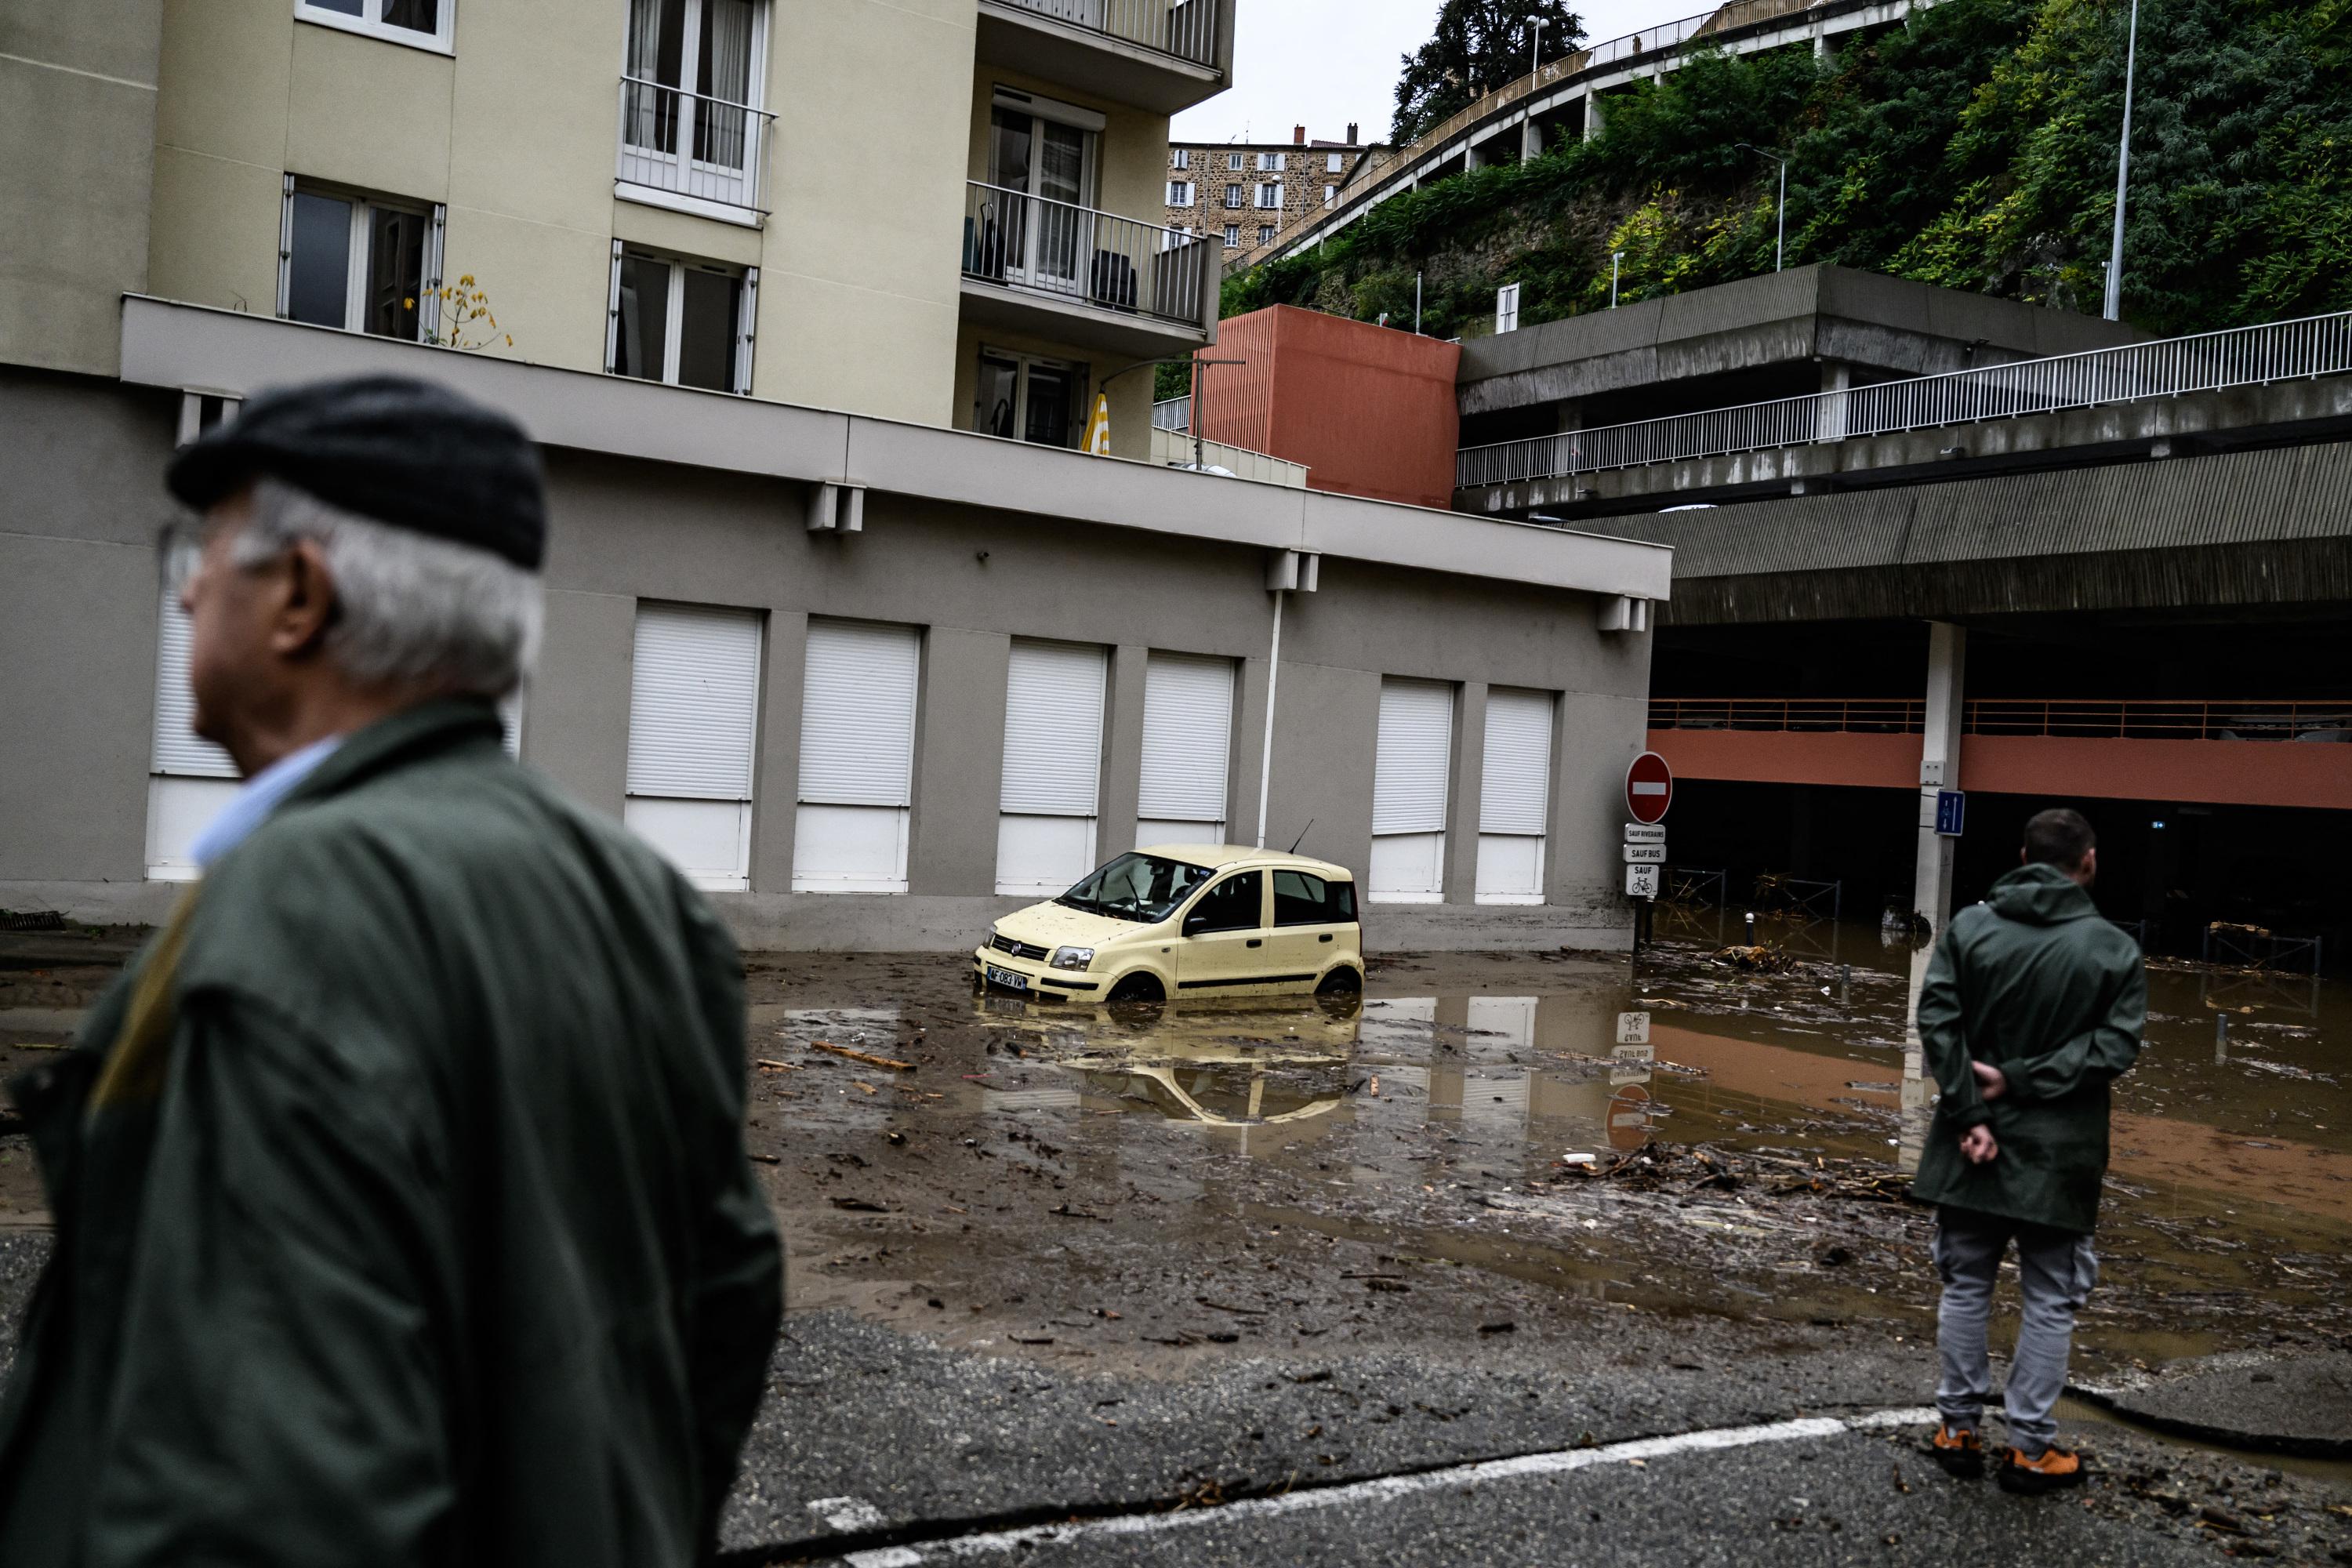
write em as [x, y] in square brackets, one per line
[1073, 957]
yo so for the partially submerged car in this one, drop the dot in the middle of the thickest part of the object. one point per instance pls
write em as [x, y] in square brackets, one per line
[1185, 921]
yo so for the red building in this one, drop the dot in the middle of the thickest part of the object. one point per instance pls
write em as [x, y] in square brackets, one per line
[1369, 410]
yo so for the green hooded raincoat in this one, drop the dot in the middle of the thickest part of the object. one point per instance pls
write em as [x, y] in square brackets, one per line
[402, 1214]
[2037, 983]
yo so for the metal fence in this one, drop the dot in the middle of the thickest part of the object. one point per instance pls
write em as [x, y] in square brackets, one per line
[1187, 28]
[689, 144]
[1173, 414]
[2205, 361]
[2199, 719]
[1078, 253]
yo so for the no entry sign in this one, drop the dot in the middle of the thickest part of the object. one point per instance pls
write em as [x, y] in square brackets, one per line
[1649, 787]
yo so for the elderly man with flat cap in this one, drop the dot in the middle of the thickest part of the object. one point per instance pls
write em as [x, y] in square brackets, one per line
[402, 1214]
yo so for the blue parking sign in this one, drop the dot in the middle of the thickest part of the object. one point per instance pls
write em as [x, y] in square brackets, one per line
[1951, 812]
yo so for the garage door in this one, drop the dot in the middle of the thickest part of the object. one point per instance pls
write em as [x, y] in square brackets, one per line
[694, 696]
[1515, 799]
[857, 758]
[1053, 767]
[189, 780]
[1409, 782]
[1188, 745]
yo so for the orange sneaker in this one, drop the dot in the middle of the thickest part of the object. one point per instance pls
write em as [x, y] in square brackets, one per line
[1959, 1451]
[2054, 1469]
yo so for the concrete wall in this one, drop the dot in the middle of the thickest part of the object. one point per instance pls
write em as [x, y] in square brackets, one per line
[79, 658]
[77, 117]
[1370, 411]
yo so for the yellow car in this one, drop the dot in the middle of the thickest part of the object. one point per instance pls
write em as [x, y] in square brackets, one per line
[1184, 920]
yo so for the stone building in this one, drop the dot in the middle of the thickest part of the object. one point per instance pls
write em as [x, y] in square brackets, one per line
[1248, 191]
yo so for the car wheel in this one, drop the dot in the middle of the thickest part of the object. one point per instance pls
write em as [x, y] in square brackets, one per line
[1138, 988]
[1344, 981]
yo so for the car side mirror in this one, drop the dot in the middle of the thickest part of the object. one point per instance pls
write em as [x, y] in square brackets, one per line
[1194, 924]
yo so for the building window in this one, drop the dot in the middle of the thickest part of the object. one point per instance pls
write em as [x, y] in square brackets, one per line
[1232, 237]
[693, 81]
[362, 263]
[1266, 233]
[1272, 163]
[1507, 308]
[427, 24]
[1049, 799]
[685, 322]
[1232, 196]
[1270, 196]
[1234, 162]
[857, 758]
[694, 728]
[1023, 397]
[1331, 196]
[1332, 164]
[1180, 157]
[1180, 193]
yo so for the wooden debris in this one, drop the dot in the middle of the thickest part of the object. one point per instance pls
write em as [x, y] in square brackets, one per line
[869, 1058]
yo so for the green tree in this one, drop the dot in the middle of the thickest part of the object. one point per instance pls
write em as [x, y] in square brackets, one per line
[1477, 46]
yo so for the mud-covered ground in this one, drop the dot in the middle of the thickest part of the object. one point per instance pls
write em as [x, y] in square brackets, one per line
[1487, 1166]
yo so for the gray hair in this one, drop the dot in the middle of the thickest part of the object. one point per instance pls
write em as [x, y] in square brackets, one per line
[413, 608]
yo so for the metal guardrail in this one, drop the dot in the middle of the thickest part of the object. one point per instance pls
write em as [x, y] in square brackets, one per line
[1186, 29]
[2203, 362]
[2216, 719]
[690, 144]
[1173, 414]
[1097, 258]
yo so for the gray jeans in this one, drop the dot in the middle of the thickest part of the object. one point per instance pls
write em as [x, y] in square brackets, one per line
[2056, 1270]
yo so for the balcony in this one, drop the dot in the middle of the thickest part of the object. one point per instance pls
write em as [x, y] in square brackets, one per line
[1159, 55]
[1084, 277]
[691, 152]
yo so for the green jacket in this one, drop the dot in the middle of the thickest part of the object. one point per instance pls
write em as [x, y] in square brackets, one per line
[2035, 982]
[402, 1214]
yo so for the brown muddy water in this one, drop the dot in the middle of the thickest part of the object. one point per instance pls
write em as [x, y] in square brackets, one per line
[1145, 1184]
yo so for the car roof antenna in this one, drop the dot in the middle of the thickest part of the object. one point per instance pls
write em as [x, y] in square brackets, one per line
[1302, 836]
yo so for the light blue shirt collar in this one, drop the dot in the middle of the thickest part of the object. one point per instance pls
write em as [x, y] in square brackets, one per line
[253, 804]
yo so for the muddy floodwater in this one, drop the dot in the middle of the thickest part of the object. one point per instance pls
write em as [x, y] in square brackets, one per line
[1490, 1145]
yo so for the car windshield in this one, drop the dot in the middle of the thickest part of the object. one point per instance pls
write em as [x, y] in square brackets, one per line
[1143, 887]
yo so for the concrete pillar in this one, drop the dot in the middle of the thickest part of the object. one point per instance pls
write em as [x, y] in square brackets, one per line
[1939, 768]
[1122, 765]
[1530, 138]
[1594, 117]
[959, 762]
[1837, 379]
[776, 781]
[1465, 793]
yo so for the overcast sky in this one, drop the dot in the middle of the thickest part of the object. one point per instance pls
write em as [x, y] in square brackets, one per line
[1325, 62]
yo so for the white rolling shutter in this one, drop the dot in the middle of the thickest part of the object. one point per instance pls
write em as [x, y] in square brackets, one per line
[694, 723]
[1053, 767]
[1188, 732]
[1053, 729]
[858, 714]
[1515, 795]
[857, 758]
[177, 749]
[694, 696]
[1408, 773]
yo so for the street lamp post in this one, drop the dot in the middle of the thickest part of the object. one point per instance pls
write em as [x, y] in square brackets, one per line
[1534, 43]
[1780, 233]
[1614, 257]
[2123, 174]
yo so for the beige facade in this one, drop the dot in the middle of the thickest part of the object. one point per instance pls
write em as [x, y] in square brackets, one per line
[613, 191]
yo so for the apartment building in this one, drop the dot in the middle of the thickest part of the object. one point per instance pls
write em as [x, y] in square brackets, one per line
[1243, 193]
[836, 617]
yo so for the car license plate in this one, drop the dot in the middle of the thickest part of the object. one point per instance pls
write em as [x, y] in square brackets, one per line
[1007, 978]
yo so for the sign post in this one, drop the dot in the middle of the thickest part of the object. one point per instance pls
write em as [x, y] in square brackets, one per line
[1649, 791]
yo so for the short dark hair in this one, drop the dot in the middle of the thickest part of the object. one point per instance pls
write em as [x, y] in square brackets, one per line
[2058, 837]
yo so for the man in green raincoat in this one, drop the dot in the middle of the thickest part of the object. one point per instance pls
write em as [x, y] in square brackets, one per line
[2034, 1003]
[402, 1214]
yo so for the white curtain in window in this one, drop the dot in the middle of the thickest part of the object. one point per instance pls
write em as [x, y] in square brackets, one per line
[729, 22]
[645, 57]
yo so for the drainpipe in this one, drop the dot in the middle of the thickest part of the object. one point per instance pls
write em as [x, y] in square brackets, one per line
[1287, 571]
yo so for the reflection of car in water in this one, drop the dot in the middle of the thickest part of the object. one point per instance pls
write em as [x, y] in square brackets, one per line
[1219, 1066]
[1185, 921]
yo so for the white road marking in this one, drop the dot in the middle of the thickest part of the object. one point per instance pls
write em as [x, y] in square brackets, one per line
[1390, 1488]
[847, 1514]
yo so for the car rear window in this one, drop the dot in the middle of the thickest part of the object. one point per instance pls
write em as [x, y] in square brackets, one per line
[1303, 899]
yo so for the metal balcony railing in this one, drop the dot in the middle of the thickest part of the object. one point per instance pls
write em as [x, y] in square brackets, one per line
[2065, 718]
[2206, 362]
[1173, 414]
[1076, 253]
[1185, 28]
[688, 144]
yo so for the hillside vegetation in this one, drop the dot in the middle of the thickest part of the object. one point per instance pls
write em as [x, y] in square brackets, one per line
[1974, 148]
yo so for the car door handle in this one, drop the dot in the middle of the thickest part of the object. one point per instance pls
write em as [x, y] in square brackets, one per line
[1255, 942]
[1325, 937]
